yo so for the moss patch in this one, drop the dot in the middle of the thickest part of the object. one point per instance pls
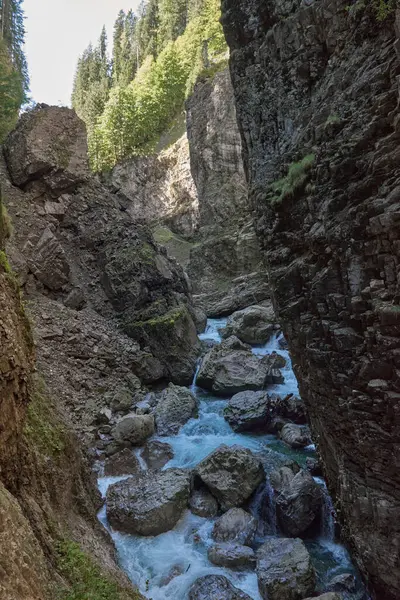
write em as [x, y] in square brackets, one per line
[40, 428]
[294, 181]
[87, 581]
[4, 264]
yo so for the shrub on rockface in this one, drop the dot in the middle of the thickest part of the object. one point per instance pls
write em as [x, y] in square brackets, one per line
[293, 182]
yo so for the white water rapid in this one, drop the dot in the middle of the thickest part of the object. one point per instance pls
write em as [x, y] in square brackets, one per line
[164, 567]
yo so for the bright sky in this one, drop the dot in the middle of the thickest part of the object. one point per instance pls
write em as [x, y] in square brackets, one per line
[57, 32]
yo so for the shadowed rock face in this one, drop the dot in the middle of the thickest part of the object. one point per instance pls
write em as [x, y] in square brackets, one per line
[320, 82]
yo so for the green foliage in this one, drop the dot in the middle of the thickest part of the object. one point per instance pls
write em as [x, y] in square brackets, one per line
[156, 61]
[384, 8]
[40, 428]
[4, 264]
[294, 181]
[11, 91]
[87, 581]
[333, 119]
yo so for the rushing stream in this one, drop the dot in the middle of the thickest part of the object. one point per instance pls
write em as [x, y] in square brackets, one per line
[152, 562]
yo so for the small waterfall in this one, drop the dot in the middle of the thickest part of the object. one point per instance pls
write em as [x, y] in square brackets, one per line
[193, 386]
[327, 517]
[263, 507]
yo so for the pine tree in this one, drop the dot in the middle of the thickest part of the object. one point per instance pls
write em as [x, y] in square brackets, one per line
[119, 27]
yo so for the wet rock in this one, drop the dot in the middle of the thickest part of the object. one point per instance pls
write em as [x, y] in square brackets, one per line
[232, 474]
[299, 500]
[174, 572]
[249, 411]
[134, 429]
[295, 436]
[232, 556]
[252, 325]
[176, 406]
[213, 587]
[328, 596]
[345, 582]
[122, 463]
[200, 319]
[150, 503]
[314, 466]
[284, 570]
[157, 454]
[292, 408]
[236, 525]
[231, 368]
[203, 504]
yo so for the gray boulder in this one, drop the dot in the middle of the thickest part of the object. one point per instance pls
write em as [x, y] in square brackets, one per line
[328, 596]
[298, 498]
[203, 504]
[252, 325]
[150, 503]
[157, 454]
[176, 406]
[134, 429]
[248, 411]
[231, 367]
[236, 525]
[296, 436]
[344, 582]
[215, 587]
[232, 474]
[232, 556]
[284, 570]
[122, 463]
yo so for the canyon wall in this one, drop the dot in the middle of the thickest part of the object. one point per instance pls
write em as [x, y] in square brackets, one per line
[194, 197]
[317, 98]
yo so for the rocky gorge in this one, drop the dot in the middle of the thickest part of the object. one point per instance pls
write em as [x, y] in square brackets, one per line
[199, 348]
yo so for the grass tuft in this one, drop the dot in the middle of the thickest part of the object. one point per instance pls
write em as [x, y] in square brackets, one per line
[294, 181]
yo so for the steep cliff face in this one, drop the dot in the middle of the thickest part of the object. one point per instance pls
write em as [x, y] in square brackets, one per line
[316, 86]
[102, 293]
[194, 197]
[48, 498]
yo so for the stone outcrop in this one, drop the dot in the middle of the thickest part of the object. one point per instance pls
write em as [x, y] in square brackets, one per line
[231, 367]
[110, 309]
[232, 556]
[317, 99]
[252, 325]
[231, 474]
[176, 406]
[284, 570]
[236, 526]
[203, 504]
[150, 503]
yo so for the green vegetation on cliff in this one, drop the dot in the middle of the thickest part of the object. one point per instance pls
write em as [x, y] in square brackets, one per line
[293, 182]
[13, 69]
[129, 101]
[87, 580]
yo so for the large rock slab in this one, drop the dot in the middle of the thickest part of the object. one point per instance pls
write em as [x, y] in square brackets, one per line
[134, 429]
[232, 474]
[284, 570]
[157, 454]
[252, 325]
[236, 525]
[215, 587]
[49, 143]
[122, 463]
[176, 406]
[231, 368]
[298, 501]
[150, 503]
[296, 436]
[232, 556]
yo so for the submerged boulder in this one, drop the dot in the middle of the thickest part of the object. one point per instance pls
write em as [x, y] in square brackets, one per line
[232, 474]
[232, 556]
[203, 504]
[236, 525]
[252, 325]
[299, 500]
[231, 367]
[284, 570]
[215, 587]
[176, 406]
[134, 429]
[150, 503]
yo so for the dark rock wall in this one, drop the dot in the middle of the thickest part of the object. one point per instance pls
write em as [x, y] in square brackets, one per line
[319, 79]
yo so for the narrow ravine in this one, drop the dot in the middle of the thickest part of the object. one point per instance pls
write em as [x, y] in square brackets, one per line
[165, 566]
